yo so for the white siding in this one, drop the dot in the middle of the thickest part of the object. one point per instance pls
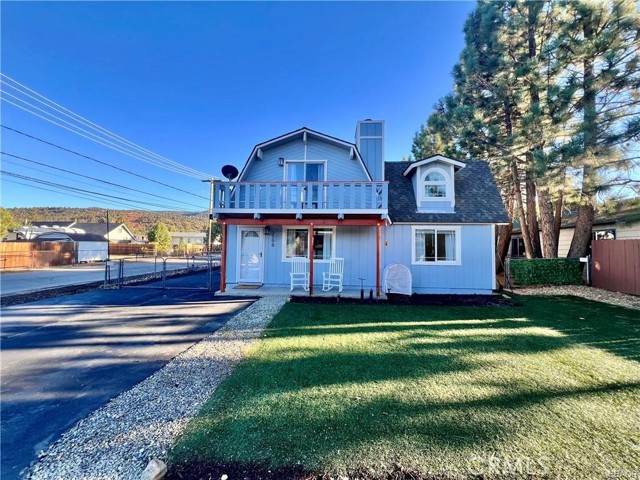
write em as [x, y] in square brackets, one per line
[623, 232]
[91, 251]
[628, 231]
[564, 241]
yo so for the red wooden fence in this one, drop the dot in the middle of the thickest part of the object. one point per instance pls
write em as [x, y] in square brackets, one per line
[616, 265]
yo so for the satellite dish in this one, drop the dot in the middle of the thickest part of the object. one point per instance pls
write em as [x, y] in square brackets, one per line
[229, 172]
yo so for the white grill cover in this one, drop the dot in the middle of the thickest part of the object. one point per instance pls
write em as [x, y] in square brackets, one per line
[397, 279]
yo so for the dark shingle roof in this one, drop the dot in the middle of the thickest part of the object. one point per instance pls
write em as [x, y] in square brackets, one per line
[626, 210]
[477, 197]
[52, 223]
[96, 228]
[77, 237]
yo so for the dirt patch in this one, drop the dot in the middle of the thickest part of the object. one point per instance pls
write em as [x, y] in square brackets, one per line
[415, 299]
[235, 471]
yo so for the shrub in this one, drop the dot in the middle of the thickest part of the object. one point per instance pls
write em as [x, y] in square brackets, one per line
[546, 271]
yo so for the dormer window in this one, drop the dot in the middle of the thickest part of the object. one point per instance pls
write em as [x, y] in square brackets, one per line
[435, 185]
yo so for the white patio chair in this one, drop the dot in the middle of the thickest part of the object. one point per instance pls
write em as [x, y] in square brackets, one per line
[333, 278]
[299, 273]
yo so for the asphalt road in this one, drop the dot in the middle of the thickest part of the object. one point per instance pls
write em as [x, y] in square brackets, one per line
[64, 357]
[30, 280]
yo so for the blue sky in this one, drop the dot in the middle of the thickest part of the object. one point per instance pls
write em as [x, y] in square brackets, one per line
[201, 83]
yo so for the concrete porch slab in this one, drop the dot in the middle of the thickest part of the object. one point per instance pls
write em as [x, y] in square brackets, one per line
[267, 290]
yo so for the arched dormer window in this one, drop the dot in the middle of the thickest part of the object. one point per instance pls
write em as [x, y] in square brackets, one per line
[435, 185]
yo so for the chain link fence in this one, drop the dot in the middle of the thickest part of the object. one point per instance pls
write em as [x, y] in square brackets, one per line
[156, 272]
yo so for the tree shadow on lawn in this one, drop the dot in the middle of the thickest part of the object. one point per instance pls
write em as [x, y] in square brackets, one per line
[610, 328]
[430, 439]
[415, 388]
[607, 327]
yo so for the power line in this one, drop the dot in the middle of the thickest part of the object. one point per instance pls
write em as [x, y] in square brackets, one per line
[103, 136]
[6, 161]
[98, 140]
[78, 118]
[132, 199]
[75, 189]
[96, 179]
[102, 162]
[83, 197]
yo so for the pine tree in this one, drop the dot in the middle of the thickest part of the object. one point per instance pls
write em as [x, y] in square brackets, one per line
[542, 87]
[601, 51]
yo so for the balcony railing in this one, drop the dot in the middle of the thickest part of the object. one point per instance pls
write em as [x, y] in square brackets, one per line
[298, 197]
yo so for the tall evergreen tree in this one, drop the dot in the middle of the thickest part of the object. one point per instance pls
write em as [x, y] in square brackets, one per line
[542, 87]
[601, 53]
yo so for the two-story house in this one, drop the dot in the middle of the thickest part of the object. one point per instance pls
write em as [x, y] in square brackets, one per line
[307, 194]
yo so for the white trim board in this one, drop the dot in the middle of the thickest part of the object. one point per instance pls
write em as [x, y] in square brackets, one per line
[434, 158]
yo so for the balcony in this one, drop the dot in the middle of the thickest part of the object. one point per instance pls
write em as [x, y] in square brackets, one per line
[301, 198]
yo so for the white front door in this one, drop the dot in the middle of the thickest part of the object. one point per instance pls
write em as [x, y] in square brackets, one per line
[251, 257]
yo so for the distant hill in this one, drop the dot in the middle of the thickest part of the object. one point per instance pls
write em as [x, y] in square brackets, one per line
[138, 221]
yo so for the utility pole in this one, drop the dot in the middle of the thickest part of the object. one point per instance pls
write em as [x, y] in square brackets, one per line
[108, 242]
[211, 180]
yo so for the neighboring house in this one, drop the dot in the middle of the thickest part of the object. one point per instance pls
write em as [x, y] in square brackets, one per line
[61, 224]
[196, 239]
[309, 194]
[88, 246]
[113, 232]
[621, 222]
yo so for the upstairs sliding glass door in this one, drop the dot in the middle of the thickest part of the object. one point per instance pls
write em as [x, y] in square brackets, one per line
[308, 196]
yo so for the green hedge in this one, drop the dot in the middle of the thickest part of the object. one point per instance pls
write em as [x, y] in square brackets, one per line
[546, 271]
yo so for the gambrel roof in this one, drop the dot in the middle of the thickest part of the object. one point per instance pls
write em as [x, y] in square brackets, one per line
[301, 134]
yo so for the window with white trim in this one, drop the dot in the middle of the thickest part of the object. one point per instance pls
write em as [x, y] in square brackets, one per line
[305, 171]
[296, 243]
[435, 245]
[606, 234]
[305, 196]
[435, 185]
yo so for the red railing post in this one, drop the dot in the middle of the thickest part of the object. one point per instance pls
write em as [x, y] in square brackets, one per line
[310, 243]
[223, 259]
[378, 240]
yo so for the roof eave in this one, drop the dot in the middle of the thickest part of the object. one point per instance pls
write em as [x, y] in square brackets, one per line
[433, 158]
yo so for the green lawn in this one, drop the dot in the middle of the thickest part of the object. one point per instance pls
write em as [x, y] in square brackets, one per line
[551, 387]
